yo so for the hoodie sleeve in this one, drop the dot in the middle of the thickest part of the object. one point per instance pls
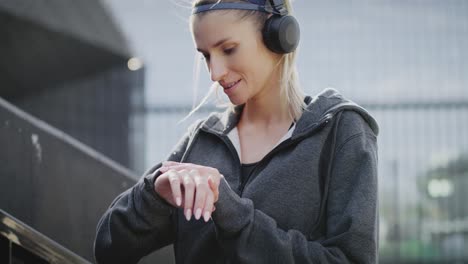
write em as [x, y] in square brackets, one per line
[138, 221]
[251, 236]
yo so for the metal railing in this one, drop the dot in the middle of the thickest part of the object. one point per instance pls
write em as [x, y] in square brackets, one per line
[22, 244]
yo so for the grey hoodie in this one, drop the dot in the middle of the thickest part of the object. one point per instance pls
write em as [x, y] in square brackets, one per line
[312, 199]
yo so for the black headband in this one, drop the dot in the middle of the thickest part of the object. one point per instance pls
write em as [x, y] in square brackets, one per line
[277, 9]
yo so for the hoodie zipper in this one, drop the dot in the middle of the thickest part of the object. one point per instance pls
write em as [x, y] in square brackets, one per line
[231, 148]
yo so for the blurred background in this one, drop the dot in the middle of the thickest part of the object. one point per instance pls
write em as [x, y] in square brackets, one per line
[92, 93]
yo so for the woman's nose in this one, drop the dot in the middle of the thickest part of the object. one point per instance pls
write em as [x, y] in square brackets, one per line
[218, 70]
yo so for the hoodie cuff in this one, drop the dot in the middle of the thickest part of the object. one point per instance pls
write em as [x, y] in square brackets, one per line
[232, 213]
[153, 198]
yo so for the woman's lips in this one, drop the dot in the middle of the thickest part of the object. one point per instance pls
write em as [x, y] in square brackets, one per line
[232, 85]
[229, 90]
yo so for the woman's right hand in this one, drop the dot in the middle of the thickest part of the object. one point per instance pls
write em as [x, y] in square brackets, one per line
[189, 186]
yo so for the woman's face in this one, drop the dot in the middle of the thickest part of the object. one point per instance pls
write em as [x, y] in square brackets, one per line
[235, 55]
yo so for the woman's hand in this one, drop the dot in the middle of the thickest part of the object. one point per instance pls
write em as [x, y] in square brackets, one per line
[191, 186]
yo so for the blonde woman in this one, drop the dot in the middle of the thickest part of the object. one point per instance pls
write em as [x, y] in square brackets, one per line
[279, 177]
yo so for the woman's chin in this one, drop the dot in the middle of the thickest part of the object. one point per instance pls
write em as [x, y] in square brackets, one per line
[236, 101]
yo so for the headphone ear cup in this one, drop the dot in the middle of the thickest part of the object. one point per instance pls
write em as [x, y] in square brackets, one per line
[281, 34]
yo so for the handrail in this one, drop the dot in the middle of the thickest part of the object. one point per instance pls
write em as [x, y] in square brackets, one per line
[38, 244]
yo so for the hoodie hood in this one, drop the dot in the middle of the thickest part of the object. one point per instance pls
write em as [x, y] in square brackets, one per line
[325, 105]
[319, 110]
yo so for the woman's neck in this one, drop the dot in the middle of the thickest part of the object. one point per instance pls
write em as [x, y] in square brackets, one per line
[264, 110]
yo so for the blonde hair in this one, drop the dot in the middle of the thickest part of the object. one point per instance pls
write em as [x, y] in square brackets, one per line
[291, 93]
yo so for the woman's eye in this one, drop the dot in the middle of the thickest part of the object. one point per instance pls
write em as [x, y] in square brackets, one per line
[229, 51]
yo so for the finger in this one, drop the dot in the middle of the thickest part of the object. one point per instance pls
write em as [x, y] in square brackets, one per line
[208, 208]
[167, 165]
[189, 187]
[175, 187]
[201, 189]
[214, 188]
[164, 169]
[215, 177]
[178, 166]
[181, 166]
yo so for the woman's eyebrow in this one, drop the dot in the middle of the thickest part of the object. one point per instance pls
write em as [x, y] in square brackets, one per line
[220, 42]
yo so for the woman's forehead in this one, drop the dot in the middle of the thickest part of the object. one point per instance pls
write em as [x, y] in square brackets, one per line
[211, 19]
[219, 24]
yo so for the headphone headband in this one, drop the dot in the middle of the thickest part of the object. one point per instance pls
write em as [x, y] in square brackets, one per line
[223, 6]
[276, 7]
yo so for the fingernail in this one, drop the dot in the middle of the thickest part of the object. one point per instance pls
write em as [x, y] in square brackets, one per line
[178, 201]
[198, 214]
[206, 216]
[188, 214]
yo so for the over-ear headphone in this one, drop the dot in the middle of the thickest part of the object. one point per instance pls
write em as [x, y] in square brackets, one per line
[281, 32]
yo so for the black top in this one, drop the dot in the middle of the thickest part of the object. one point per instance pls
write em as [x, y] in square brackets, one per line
[247, 168]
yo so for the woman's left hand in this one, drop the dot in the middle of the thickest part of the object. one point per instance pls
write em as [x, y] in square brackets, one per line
[197, 197]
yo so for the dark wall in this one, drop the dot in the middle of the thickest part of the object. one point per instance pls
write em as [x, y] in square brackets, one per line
[66, 63]
[96, 110]
[47, 43]
[54, 183]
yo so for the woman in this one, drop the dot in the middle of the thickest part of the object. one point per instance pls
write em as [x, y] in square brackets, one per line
[278, 178]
